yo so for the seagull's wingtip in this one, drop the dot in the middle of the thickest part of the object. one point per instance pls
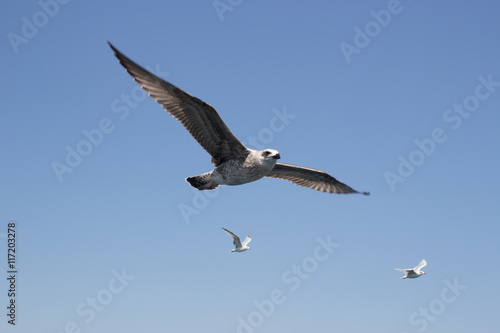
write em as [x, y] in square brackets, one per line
[112, 46]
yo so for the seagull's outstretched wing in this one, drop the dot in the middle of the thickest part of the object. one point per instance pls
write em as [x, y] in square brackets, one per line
[236, 239]
[403, 270]
[315, 179]
[199, 118]
[421, 265]
[246, 241]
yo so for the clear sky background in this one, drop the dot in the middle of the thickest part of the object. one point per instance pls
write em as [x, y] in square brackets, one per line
[398, 98]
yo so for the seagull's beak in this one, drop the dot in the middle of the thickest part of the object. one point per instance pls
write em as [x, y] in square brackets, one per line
[277, 156]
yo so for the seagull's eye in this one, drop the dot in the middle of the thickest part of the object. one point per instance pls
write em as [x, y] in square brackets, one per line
[266, 153]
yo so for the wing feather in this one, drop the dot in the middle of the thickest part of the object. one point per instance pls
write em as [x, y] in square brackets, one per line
[199, 118]
[404, 270]
[236, 239]
[315, 179]
[247, 240]
[421, 265]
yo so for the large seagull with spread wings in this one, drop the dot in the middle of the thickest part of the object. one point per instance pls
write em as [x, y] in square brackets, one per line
[234, 163]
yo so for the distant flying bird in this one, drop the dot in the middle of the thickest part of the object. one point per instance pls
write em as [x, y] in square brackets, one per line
[234, 163]
[415, 272]
[238, 245]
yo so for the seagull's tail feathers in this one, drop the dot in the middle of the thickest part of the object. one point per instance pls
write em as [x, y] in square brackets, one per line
[202, 182]
[404, 271]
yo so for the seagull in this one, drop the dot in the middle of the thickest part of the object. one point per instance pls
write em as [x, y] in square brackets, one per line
[414, 272]
[234, 163]
[238, 245]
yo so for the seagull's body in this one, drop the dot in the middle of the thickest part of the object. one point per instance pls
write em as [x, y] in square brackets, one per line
[255, 165]
[238, 245]
[415, 272]
[234, 163]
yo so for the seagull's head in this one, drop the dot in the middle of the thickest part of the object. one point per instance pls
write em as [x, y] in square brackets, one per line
[270, 154]
[422, 273]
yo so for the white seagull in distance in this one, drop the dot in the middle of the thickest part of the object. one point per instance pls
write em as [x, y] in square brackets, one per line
[234, 163]
[415, 272]
[238, 245]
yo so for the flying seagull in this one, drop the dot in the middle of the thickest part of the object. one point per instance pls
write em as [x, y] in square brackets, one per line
[415, 272]
[238, 245]
[234, 163]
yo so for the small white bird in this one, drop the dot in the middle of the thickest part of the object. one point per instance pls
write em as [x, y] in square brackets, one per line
[238, 245]
[414, 272]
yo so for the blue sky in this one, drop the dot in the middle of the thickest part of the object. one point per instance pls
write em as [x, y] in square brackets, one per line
[397, 98]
